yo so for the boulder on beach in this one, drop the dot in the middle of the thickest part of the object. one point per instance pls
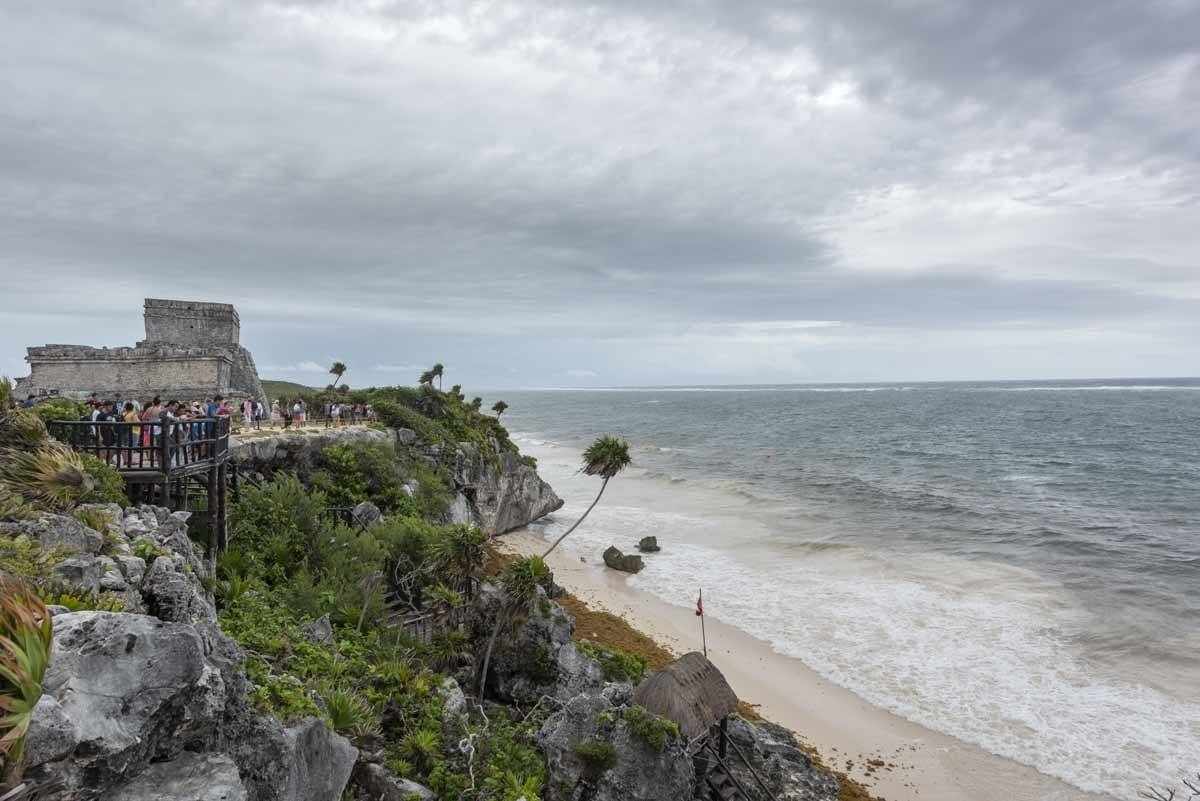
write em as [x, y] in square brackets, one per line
[648, 544]
[631, 563]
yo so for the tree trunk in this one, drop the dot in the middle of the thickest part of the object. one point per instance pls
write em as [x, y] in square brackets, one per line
[577, 522]
[487, 655]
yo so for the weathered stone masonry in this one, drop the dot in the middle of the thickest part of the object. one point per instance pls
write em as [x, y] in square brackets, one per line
[192, 350]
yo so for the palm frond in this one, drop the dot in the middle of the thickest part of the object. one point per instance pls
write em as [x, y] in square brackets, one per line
[606, 457]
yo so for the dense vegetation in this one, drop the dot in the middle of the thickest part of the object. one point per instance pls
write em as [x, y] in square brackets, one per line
[291, 565]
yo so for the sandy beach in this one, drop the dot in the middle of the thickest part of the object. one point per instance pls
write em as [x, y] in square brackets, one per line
[893, 757]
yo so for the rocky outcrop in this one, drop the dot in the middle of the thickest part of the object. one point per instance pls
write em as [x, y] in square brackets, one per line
[503, 492]
[787, 771]
[380, 785]
[631, 563]
[123, 691]
[155, 706]
[189, 777]
[634, 770]
[537, 658]
[495, 492]
[648, 545]
[295, 451]
[66, 534]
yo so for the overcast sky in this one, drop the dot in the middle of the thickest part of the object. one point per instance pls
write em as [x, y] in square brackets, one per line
[623, 192]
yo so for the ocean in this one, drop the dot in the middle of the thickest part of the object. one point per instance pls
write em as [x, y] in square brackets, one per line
[1015, 564]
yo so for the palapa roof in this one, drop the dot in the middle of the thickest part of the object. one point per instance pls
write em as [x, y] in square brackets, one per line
[690, 691]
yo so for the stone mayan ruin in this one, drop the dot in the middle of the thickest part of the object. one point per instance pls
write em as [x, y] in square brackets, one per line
[192, 350]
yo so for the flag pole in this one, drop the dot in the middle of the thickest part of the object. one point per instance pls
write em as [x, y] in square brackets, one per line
[703, 634]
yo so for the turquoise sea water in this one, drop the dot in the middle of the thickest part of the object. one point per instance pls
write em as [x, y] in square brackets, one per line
[1016, 564]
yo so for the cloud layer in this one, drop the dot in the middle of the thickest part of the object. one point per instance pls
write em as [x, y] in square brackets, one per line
[535, 193]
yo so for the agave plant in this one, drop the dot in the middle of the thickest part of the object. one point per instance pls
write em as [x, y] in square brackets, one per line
[25, 637]
[20, 428]
[52, 474]
[350, 713]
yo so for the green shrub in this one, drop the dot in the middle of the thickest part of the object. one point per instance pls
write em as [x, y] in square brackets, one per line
[23, 557]
[94, 519]
[61, 409]
[649, 727]
[616, 664]
[598, 757]
[280, 527]
[147, 550]
[77, 600]
[109, 486]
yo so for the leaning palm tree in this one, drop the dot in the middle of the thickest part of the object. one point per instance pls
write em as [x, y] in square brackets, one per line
[437, 371]
[499, 407]
[25, 637]
[605, 457]
[520, 581]
[337, 370]
[426, 378]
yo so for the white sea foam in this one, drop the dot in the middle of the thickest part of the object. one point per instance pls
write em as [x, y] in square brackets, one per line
[995, 666]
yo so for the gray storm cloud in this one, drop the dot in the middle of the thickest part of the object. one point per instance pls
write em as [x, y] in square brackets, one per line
[613, 193]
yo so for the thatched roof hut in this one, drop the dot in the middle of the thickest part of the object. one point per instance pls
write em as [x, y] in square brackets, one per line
[691, 692]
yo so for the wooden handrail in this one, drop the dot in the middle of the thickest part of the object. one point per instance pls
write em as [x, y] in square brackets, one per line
[156, 445]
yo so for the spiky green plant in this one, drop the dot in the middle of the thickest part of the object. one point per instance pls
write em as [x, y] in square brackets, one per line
[51, 474]
[6, 392]
[459, 554]
[422, 746]
[25, 640]
[20, 428]
[605, 457]
[349, 713]
[448, 651]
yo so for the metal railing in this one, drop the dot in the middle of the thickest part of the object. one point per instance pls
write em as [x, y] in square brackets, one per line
[163, 446]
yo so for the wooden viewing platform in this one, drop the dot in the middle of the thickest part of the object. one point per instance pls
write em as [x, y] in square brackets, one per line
[160, 459]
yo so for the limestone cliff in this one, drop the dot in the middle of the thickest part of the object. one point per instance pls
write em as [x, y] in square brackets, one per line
[498, 493]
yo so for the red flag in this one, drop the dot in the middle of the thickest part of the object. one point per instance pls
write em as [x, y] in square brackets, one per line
[700, 605]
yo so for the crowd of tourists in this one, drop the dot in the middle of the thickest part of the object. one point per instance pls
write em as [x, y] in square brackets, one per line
[191, 422]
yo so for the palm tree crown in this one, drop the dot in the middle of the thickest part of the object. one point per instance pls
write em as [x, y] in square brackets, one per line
[438, 370]
[606, 457]
[337, 370]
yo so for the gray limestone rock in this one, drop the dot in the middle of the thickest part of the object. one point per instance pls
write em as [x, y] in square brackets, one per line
[111, 577]
[83, 572]
[648, 545]
[319, 761]
[319, 632]
[787, 771]
[631, 563]
[188, 777]
[504, 493]
[368, 514]
[132, 567]
[639, 773]
[134, 690]
[52, 735]
[406, 436]
[176, 595]
[525, 662]
[380, 785]
[459, 511]
[59, 531]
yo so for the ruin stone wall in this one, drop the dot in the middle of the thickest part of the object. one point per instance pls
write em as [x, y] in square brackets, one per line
[186, 322]
[76, 371]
